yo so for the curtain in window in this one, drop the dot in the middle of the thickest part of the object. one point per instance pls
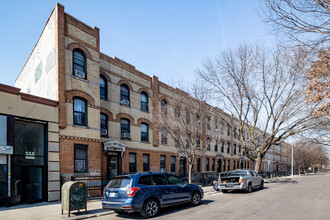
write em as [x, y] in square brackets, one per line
[80, 160]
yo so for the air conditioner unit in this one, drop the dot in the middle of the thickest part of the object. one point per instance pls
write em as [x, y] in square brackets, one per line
[104, 131]
[124, 102]
[79, 73]
[126, 135]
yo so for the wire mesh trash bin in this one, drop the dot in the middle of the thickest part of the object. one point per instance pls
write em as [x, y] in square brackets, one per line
[74, 196]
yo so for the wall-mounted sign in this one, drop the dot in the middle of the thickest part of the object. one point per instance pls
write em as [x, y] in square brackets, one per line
[30, 155]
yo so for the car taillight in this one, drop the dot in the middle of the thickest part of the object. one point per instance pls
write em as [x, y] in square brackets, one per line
[131, 191]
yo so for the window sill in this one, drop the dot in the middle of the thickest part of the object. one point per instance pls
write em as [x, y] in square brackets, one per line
[82, 79]
[144, 111]
[145, 142]
[127, 139]
[128, 106]
[105, 99]
[80, 126]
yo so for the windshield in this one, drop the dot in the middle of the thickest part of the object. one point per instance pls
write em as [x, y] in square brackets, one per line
[119, 182]
[237, 173]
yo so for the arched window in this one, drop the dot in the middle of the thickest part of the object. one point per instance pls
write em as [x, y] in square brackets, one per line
[144, 101]
[216, 146]
[208, 126]
[177, 113]
[79, 63]
[79, 111]
[144, 132]
[234, 148]
[163, 136]
[222, 146]
[124, 94]
[208, 144]
[163, 105]
[103, 87]
[125, 128]
[198, 142]
[228, 147]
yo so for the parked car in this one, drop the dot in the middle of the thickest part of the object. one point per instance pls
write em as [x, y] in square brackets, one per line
[240, 180]
[147, 192]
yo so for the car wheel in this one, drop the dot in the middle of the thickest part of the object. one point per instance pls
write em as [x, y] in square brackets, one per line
[150, 208]
[262, 185]
[249, 189]
[195, 199]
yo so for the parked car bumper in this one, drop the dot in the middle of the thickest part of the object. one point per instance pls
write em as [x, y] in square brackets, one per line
[127, 206]
[224, 186]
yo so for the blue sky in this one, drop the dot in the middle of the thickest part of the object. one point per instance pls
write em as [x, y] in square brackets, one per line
[166, 38]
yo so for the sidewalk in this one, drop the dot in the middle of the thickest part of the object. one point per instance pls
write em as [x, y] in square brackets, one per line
[45, 210]
[52, 210]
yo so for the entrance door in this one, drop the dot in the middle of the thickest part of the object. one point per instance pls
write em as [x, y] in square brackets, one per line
[219, 166]
[183, 167]
[28, 184]
[35, 185]
[113, 165]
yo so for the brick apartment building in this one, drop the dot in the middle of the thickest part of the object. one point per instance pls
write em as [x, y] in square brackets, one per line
[109, 111]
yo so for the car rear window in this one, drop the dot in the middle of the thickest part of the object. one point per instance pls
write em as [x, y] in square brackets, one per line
[237, 173]
[119, 182]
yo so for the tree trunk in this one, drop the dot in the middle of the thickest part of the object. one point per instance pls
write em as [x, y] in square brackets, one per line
[189, 172]
[258, 163]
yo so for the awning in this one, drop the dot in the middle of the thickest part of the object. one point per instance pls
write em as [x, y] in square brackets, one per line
[114, 146]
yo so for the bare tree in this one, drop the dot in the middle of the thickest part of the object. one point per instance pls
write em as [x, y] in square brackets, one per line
[264, 90]
[309, 155]
[182, 121]
[307, 22]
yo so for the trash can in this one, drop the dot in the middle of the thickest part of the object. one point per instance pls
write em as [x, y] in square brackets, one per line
[74, 196]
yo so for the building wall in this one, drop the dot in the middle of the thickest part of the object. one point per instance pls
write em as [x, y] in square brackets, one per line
[38, 76]
[21, 105]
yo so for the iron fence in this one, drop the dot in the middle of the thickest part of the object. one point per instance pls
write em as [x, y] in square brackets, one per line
[94, 184]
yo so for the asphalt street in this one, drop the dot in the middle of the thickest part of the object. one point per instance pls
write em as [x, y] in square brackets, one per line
[307, 198]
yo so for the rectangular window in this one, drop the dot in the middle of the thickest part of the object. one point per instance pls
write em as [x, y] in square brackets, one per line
[146, 162]
[80, 158]
[162, 163]
[173, 163]
[224, 165]
[234, 165]
[216, 146]
[132, 162]
[213, 164]
[222, 146]
[104, 124]
[228, 148]
[228, 165]
[234, 148]
[207, 164]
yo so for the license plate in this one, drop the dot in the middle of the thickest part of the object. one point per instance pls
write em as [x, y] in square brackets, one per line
[112, 195]
[229, 186]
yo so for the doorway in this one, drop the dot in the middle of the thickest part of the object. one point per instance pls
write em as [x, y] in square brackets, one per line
[28, 184]
[183, 167]
[113, 165]
[219, 166]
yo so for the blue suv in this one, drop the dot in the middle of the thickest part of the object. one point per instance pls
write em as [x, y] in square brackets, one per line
[147, 192]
